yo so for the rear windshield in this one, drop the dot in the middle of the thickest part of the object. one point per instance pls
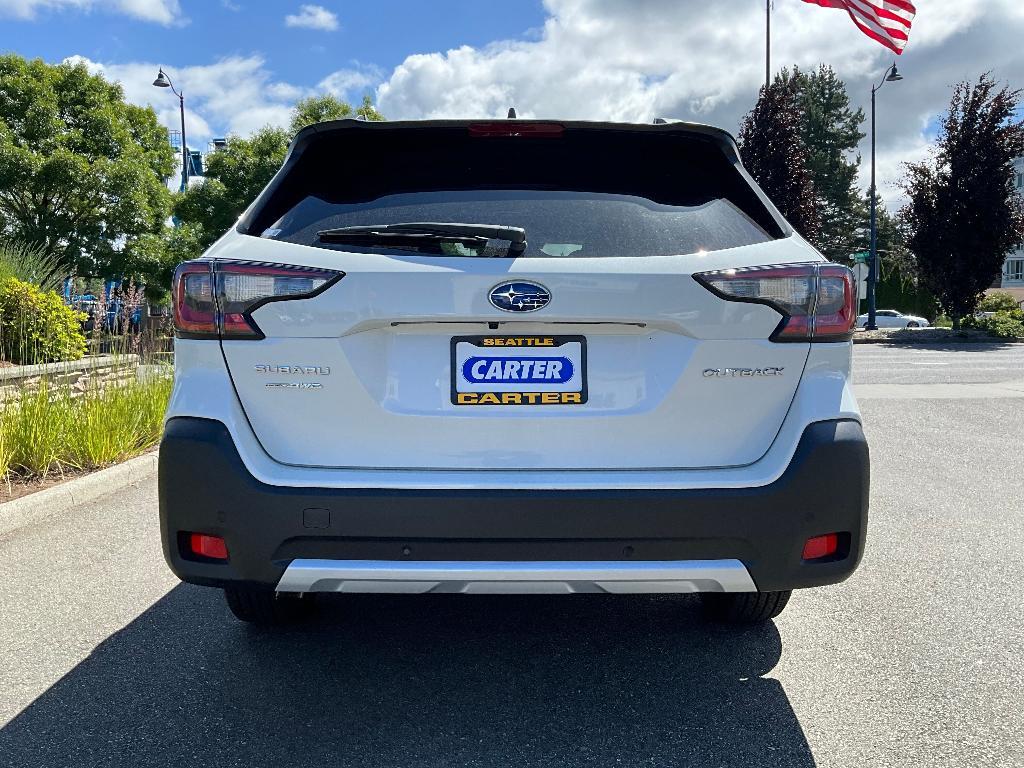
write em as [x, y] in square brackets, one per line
[586, 193]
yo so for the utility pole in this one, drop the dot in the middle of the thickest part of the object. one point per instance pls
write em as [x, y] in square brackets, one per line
[767, 43]
[892, 75]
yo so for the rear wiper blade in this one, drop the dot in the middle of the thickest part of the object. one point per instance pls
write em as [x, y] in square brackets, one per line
[436, 231]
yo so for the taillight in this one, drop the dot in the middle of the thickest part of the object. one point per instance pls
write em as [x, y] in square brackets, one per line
[218, 297]
[195, 309]
[244, 287]
[817, 301]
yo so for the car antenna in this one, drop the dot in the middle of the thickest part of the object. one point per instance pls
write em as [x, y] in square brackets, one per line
[511, 113]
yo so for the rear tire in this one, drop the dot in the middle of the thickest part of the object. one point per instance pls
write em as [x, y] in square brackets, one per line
[264, 606]
[745, 607]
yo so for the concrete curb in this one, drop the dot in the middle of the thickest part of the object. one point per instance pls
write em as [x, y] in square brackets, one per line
[41, 504]
[936, 342]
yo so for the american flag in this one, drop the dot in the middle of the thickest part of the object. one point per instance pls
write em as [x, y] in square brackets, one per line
[887, 21]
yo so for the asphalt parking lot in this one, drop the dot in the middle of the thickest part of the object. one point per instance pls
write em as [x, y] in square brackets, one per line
[106, 660]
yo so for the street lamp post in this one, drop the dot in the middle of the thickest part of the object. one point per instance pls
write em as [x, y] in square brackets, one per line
[891, 76]
[163, 81]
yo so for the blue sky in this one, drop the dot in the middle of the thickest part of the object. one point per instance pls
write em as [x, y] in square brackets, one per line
[244, 63]
[377, 33]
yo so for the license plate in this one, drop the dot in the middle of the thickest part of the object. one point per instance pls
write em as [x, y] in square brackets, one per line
[519, 370]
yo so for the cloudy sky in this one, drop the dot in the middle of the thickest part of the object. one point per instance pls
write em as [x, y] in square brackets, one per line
[243, 63]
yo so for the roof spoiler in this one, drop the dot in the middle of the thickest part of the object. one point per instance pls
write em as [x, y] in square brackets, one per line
[718, 135]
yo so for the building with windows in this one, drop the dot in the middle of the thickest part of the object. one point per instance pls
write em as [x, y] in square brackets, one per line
[1012, 278]
[196, 160]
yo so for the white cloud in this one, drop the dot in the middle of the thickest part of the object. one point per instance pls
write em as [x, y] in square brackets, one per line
[614, 60]
[345, 83]
[164, 12]
[312, 17]
[235, 95]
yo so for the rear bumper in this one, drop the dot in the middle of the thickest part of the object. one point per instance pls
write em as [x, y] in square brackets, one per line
[548, 540]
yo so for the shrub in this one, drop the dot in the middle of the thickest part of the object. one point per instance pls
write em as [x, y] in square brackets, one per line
[30, 264]
[37, 327]
[1003, 324]
[998, 301]
[6, 448]
[55, 427]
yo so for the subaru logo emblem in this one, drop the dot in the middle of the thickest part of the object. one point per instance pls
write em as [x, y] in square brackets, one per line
[519, 296]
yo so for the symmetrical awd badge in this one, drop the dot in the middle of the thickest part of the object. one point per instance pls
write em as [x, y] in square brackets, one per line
[293, 370]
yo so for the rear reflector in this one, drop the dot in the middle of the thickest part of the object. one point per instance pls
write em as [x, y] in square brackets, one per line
[821, 546]
[217, 297]
[817, 301]
[204, 545]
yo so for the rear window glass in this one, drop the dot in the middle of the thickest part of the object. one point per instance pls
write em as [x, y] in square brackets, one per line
[588, 193]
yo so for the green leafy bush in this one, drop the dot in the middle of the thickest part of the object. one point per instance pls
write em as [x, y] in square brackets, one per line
[1003, 324]
[37, 327]
[998, 301]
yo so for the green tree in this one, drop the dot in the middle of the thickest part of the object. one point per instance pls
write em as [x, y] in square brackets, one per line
[235, 175]
[891, 241]
[964, 215]
[157, 255]
[899, 285]
[775, 155]
[81, 171]
[831, 132]
[317, 109]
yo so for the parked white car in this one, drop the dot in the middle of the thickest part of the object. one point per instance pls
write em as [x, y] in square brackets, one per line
[891, 318]
[512, 357]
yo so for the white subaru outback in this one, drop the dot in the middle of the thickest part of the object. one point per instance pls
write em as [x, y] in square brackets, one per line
[512, 357]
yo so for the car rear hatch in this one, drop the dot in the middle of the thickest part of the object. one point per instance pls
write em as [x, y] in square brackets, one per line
[595, 347]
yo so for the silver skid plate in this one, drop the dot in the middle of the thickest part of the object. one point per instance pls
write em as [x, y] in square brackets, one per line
[386, 576]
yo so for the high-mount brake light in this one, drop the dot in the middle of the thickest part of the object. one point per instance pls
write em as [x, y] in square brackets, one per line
[817, 301]
[214, 298]
[517, 129]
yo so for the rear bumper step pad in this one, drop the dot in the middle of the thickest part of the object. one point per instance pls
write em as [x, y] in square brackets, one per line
[516, 577]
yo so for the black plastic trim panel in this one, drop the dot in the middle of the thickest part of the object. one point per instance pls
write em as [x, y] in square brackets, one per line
[205, 487]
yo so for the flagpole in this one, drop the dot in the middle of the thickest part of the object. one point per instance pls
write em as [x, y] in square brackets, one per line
[767, 43]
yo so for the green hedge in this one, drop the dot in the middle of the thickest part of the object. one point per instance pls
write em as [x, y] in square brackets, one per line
[896, 293]
[37, 327]
[1003, 324]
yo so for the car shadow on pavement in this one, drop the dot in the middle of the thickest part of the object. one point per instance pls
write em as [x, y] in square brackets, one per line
[420, 681]
[947, 346]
